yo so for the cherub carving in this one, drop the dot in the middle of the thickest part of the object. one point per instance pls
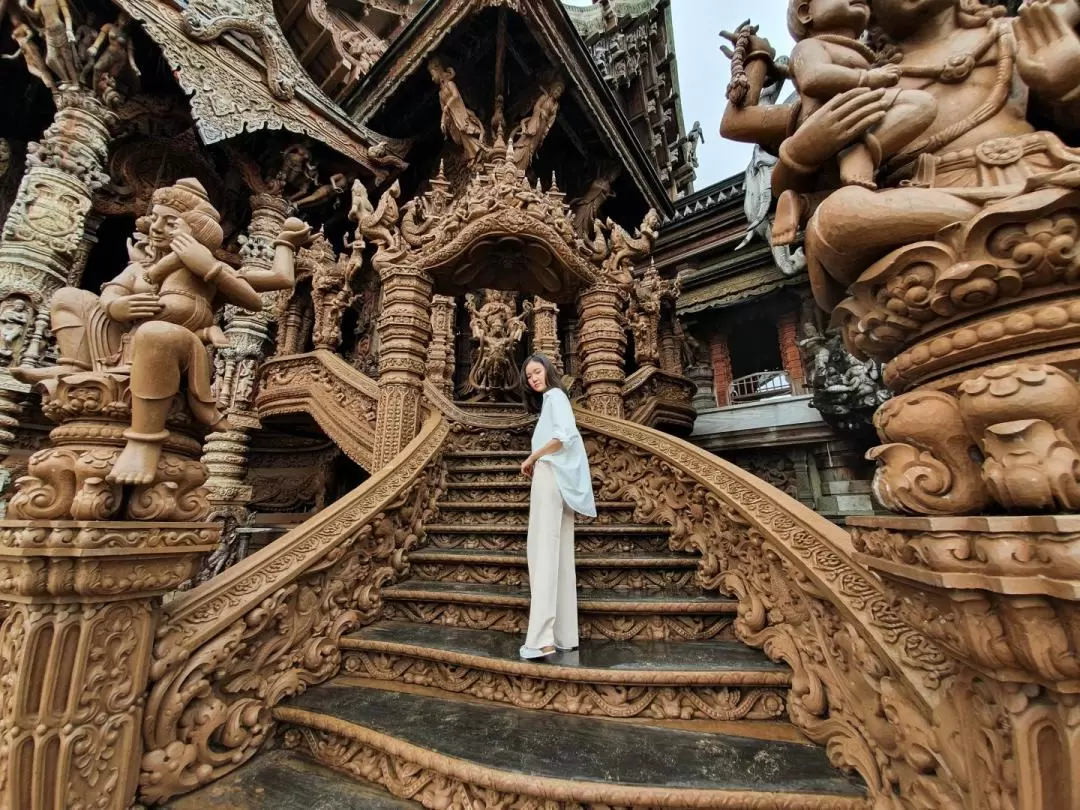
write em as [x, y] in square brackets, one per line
[496, 329]
[829, 58]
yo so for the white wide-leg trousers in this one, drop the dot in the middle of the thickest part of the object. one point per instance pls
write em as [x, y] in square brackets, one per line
[552, 578]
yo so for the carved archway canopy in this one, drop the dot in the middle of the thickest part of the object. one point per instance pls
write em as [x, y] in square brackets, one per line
[500, 232]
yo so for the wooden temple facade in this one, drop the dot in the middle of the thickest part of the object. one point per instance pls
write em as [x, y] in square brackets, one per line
[268, 272]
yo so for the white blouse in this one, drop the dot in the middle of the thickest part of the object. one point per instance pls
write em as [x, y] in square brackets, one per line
[570, 464]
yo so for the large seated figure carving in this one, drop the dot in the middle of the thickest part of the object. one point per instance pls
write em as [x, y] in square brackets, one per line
[153, 321]
[964, 254]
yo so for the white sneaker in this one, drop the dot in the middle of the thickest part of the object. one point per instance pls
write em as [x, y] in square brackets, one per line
[529, 653]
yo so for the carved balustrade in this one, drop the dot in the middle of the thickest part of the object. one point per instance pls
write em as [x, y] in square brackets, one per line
[230, 650]
[927, 698]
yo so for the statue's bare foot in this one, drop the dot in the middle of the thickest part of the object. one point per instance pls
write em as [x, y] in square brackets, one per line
[857, 167]
[790, 210]
[137, 463]
[29, 374]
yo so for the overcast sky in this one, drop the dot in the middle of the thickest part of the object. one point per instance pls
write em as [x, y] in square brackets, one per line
[704, 71]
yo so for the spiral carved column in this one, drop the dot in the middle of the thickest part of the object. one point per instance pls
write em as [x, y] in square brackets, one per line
[602, 347]
[44, 234]
[404, 329]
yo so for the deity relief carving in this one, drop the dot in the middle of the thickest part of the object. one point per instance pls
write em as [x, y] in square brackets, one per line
[650, 294]
[496, 328]
[143, 341]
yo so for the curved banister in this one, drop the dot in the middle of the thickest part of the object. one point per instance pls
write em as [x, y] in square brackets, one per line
[229, 650]
[341, 399]
[865, 681]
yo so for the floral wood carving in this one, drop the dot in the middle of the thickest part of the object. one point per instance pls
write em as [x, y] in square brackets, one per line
[881, 695]
[227, 652]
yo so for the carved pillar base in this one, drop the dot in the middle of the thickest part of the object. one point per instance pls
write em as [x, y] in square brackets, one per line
[69, 478]
[225, 456]
[603, 347]
[75, 650]
[1002, 596]
[702, 378]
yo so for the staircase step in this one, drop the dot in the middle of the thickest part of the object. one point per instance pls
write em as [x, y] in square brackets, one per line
[617, 570]
[502, 510]
[471, 455]
[669, 613]
[279, 780]
[701, 680]
[588, 537]
[521, 758]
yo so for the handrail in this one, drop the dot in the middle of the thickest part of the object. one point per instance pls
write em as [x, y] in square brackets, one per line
[309, 383]
[760, 385]
[802, 597]
[232, 648]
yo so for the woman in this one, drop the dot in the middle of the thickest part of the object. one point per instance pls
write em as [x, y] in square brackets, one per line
[561, 485]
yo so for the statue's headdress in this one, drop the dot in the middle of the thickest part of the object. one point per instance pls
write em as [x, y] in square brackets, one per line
[189, 198]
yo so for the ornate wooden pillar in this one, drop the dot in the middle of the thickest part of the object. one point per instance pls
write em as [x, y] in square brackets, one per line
[404, 334]
[441, 354]
[602, 346]
[225, 453]
[545, 331]
[43, 234]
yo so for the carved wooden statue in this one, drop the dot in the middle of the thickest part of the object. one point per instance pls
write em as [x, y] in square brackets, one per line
[154, 319]
[496, 329]
[534, 128]
[110, 60]
[53, 20]
[458, 123]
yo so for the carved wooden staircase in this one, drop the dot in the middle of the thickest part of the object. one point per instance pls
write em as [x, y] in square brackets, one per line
[661, 706]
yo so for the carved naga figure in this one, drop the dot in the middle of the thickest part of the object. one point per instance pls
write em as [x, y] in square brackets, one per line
[496, 330]
[153, 321]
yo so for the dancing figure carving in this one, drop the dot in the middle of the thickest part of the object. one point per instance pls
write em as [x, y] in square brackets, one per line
[497, 330]
[458, 123]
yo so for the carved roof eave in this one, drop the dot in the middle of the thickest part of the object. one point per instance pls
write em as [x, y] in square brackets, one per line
[555, 31]
[227, 85]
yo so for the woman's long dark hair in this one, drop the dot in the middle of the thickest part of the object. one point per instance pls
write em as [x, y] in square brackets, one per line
[534, 399]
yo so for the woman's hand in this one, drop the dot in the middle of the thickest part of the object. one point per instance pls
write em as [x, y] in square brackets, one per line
[527, 467]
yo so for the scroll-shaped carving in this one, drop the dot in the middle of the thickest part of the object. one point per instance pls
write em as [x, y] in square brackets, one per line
[233, 648]
[929, 463]
[206, 20]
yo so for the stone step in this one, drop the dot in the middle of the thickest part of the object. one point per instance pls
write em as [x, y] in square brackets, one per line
[699, 680]
[462, 753]
[499, 510]
[484, 455]
[617, 570]
[670, 613]
[280, 780]
[588, 538]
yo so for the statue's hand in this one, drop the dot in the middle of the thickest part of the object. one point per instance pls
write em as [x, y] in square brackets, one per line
[755, 45]
[136, 307]
[1048, 57]
[296, 233]
[835, 125]
[196, 257]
